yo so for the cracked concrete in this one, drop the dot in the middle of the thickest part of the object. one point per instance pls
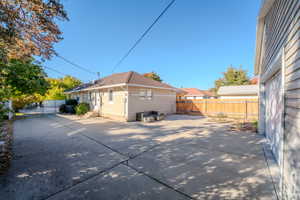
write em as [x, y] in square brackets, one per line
[182, 157]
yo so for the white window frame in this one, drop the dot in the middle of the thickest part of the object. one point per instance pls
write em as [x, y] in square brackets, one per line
[149, 94]
[145, 94]
[142, 93]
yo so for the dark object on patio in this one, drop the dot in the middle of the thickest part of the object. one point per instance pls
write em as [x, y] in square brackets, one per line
[69, 107]
[161, 116]
[62, 108]
[72, 102]
[149, 116]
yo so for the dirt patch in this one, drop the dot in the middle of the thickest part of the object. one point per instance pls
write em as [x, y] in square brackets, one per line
[244, 126]
[237, 124]
[6, 138]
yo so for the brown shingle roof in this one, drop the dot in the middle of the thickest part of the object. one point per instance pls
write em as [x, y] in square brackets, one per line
[129, 78]
[137, 78]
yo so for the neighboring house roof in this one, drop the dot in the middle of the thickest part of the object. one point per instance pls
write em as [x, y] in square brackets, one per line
[254, 80]
[126, 78]
[196, 92]
[180, 91]
[238, 90]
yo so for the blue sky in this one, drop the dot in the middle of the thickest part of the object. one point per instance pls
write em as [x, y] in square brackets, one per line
[194, 42]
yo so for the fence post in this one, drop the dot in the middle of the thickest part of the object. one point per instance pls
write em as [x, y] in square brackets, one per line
[246, 111]
[10, 114]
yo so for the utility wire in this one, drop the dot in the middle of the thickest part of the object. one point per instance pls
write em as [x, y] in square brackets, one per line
[143, 35]
[76, 65]
[54, 70]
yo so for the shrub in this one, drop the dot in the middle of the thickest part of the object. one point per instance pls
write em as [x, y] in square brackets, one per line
[82, 108]
[62, 108]
[255, 125]
[72, 102]
[19, 103]
[3, 112]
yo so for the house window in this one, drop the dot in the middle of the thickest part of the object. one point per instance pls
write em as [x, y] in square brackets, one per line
[110, 96]
[149, 94]
[142, 94]
[145, 94]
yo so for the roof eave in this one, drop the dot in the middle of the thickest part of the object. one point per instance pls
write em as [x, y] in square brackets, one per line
[120, 85]
[265, 7]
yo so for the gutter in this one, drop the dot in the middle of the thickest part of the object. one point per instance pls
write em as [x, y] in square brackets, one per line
[264, 9]
[121, 85]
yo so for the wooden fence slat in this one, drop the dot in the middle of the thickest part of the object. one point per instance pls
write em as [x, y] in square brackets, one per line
[237, 108]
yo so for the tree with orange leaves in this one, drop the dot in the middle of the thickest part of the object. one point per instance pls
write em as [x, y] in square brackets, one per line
[153, 76]
[28, 28]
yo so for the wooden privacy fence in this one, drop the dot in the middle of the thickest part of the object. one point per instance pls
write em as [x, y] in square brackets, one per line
[234, 108]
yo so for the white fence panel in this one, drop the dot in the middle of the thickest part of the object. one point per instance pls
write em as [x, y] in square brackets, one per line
[8, 104]
[49, 106]
[53, 103]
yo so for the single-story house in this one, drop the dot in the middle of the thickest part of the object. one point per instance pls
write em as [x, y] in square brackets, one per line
[238, 92]
[122, 95]
[277, 63]
[194, 93]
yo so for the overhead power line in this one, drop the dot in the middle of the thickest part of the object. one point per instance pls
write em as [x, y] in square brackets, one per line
[76, 65]
[54, 70]
[143, 35]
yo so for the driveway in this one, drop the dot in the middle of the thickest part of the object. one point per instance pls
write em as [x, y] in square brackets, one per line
[182, 157]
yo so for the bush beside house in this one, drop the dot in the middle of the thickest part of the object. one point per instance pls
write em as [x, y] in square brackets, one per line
[82, 108]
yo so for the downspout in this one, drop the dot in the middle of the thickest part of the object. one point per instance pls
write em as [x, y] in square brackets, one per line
[125, 101]
[262, 100]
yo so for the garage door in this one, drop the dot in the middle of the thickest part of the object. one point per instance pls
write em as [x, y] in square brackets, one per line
[274, 108]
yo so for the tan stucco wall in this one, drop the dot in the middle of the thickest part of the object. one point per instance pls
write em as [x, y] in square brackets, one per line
[126, 103]
[115, 108]
[100, 103]
[162, 100]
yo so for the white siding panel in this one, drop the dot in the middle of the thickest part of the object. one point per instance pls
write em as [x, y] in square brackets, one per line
[274, 109]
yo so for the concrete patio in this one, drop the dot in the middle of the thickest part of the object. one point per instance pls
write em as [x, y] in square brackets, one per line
[182, 157]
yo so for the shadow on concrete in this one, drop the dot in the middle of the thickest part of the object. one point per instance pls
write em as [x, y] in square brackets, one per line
[65, 157]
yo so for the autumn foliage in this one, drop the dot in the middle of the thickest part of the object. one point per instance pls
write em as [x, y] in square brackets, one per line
[27, 28]
[153, 76]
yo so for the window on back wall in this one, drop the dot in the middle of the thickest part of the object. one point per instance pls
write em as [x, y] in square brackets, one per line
[145, 94]
[142, 94]
[149, 94]
[110, 96]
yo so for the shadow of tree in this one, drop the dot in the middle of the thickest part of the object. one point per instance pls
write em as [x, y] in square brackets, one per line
[195, 157]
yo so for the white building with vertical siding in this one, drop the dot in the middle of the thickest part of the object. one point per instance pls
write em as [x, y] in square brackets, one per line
[238, 92]
[277, 63]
